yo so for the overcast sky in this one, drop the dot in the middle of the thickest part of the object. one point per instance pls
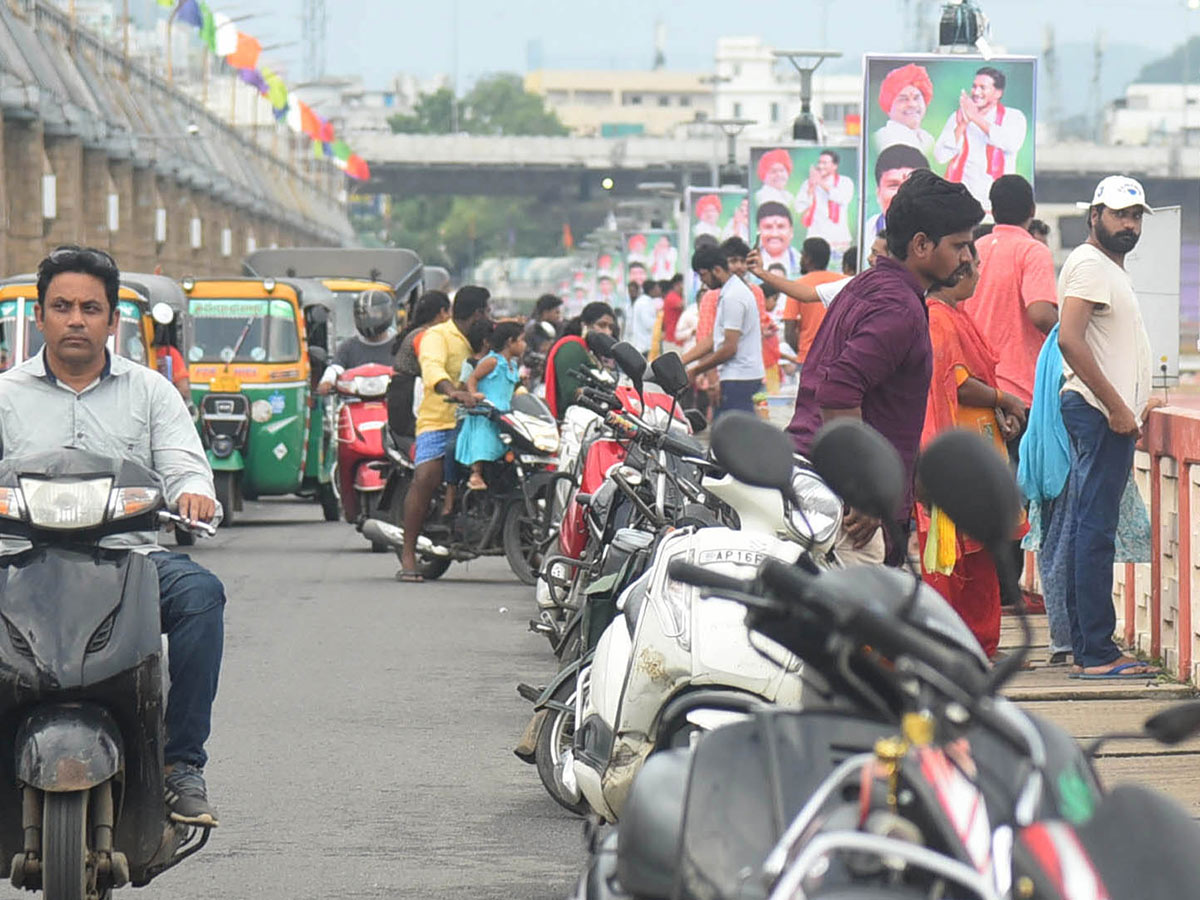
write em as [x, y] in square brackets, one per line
[378, 38]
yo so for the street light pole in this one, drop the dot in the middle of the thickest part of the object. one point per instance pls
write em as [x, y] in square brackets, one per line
[731, 172]
[805, 62]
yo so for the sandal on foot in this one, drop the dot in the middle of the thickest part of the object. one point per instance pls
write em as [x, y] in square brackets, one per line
[1123, 672]
[411, 576]
[475, 483]
[1059, 658]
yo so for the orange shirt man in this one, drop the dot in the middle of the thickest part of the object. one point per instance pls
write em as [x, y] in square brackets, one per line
[1016, 301]
[801, 320]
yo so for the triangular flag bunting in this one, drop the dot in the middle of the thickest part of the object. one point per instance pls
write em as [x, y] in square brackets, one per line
[226, 35]
[247, 52]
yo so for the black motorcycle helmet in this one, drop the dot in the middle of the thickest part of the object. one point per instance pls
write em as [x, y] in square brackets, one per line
[374, 313]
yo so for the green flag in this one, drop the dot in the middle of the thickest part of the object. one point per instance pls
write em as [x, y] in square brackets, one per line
[340, 150]
[208, 29]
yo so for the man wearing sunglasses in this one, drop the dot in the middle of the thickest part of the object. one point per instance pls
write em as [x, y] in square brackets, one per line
[77, 394]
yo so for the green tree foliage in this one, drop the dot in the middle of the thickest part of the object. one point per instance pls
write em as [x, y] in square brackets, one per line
[496, 105]
[1170, 69]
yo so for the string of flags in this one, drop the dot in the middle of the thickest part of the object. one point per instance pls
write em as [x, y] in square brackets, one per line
[241, 52]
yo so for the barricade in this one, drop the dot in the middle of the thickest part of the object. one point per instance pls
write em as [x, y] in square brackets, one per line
[1155, 601]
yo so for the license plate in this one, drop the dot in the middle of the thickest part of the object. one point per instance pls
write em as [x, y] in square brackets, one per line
[735, 555]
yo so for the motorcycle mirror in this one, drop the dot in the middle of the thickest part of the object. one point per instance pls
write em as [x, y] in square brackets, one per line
[548, 329]
[600, 343]
[162, 313]
[753, 451]
[317, 355]
[860, 466]
[670, 373]
[1174, 724]
[697, 420]
[962, 473]
[631, 362]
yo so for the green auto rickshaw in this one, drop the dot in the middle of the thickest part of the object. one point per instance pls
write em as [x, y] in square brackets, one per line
[258, 347]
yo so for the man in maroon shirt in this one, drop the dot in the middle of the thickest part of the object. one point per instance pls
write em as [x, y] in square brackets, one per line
[871, 358]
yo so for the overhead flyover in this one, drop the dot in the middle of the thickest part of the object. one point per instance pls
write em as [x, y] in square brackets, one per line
[94, 148]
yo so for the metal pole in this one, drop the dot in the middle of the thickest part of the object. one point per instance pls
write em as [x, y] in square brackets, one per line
[125, 38]
[170, 65]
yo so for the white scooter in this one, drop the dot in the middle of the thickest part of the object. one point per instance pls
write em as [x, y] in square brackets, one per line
[675, 662]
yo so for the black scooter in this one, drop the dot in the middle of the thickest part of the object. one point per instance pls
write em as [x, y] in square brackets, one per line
[81, 686]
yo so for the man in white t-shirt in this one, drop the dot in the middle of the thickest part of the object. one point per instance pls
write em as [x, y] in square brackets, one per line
[737, 334]
[642, 316]
[806, 293]
[1105, 400]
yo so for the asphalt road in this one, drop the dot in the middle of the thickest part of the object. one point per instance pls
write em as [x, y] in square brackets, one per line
[363, 734]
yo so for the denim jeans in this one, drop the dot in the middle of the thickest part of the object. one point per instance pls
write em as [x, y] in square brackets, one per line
[739, 395]
[192, 600]
[1100, 463]
[1055, 567]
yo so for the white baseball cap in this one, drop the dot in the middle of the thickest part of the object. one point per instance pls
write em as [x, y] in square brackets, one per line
[1119, 192]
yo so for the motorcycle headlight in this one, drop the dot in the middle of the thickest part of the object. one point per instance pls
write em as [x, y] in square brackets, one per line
[64, 504]
[819, 515]
[543, 435]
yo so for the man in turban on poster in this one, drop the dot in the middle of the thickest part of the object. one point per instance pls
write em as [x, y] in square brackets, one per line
[904, 95]
[824, 202]
[774, 170]
[708, 216]
[982, 139]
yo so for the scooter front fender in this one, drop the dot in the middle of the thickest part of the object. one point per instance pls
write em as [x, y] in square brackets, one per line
[68, 747]
[231, 463]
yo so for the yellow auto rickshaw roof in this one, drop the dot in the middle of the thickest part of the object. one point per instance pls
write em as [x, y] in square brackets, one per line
[355, 284]
[29, 291]
[217, 288]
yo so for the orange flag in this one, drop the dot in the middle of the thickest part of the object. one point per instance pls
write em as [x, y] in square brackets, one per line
[246, 54]
[568, 238]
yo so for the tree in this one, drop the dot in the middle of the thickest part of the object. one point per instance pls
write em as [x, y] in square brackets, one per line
[1170, 69]
[496, 105]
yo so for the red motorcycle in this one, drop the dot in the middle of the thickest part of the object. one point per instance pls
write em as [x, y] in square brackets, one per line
[362, 463]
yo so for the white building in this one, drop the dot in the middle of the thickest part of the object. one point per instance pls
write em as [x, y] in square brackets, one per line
[354, 108]
[754, 84]
[1154, 114]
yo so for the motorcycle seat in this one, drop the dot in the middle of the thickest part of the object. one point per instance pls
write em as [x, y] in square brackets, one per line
[402, 444]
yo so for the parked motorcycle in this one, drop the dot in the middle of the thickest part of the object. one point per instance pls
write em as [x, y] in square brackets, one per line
[509, 519]
[916, 779]
[360, 421]
[81, 714]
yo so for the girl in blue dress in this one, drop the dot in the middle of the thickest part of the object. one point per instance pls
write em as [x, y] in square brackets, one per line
[494, 379]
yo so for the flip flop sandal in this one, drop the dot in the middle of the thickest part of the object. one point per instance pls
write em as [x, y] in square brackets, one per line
[410, 576]
[1059, 658]
[1118, 673]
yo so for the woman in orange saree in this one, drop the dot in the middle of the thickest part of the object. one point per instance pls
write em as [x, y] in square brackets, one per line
[963, 394]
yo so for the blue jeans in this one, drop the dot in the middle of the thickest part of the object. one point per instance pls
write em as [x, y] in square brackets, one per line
[738, 395]
[1055, 567]
[1100, 463]
[192, 600]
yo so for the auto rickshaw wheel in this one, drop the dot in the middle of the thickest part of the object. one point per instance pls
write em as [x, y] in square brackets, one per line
[226, 484]
[330, 506]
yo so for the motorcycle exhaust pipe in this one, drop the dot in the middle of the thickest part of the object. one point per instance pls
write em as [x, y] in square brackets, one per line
[379, 532]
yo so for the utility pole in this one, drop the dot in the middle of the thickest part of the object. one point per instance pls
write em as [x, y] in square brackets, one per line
[1050, 61]
[313, 38]
[1096, 104]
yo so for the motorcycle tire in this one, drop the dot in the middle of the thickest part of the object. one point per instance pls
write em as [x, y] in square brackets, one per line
[330, 505]
[64, 845]
[557, 733]
[227, 489]
[523, 539]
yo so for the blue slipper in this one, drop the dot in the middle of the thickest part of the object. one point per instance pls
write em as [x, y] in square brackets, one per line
[1118, 673]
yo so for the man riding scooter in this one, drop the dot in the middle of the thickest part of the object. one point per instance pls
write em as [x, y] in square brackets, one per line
[443, 349]
[375, 321]
[75, 394]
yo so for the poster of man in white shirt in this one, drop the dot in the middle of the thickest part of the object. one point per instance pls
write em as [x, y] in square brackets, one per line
[824, 202]
[982, 138]
[982, 111]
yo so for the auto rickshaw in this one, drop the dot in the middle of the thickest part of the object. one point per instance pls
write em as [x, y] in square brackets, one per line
[170, 321]
[258, 347]
[20, 338]
[347, 271]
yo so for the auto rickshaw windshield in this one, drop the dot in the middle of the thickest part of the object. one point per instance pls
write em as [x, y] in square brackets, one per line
[272, 335]
[129, 340]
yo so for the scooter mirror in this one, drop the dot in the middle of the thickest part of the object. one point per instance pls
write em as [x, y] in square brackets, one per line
[631, 362]
[548, 330]
[861, 467]
[963, 474]
[162, 313]
[600, 343]
[1175, 723]
[697, 420]
[753, 451]
[670, 373]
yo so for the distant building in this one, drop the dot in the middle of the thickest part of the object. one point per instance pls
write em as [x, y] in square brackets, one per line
[1154, 114]
[616, 103]
[355, 108]
[767, 89]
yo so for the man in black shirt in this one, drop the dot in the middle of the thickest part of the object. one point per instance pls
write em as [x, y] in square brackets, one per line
[375, 321]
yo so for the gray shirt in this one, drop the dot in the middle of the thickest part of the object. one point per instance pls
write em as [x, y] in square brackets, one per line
[130, 412]
[737, 310]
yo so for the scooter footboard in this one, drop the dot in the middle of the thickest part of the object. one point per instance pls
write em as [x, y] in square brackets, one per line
[68, 747]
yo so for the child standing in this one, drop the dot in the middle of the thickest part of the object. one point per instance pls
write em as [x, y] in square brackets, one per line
[494, 379]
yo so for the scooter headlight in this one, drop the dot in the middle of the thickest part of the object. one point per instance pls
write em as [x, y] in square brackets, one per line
[819, 515]
[66, 504]
[371, 386]
[222, 446]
